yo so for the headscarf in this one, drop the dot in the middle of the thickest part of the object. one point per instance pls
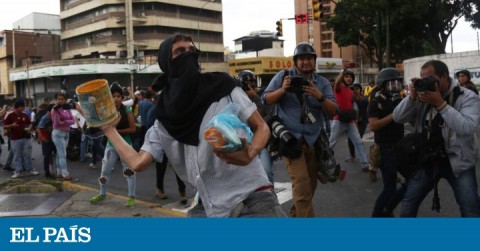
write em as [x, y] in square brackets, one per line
[186, 92]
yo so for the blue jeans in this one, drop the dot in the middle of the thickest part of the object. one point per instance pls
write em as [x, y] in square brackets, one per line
[388, 167]
[83, 147]
[97, 147]
[60, 139]
[464, 188]
[267, 163]
[22, 154]
[351, 130]
[108, 162]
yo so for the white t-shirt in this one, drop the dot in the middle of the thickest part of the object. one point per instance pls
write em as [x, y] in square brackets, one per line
[128, 103]
[79, 118]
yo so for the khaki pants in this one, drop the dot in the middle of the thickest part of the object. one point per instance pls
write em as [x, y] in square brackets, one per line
[303, 173]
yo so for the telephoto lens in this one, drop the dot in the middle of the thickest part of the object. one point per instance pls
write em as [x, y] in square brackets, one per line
[279, 131]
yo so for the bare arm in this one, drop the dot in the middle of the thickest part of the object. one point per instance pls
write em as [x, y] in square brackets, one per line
[137, 161]
[274, 96]
[338, 81]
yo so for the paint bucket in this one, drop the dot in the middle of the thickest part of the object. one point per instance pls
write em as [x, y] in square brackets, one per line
[97, 103]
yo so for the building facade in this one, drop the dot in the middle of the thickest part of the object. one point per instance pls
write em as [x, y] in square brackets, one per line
[324, 44]
[20, 50]
[100, 29]
[119, 40]
[455, 62]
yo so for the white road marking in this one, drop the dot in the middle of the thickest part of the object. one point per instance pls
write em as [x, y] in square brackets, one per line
[284, 194]
[285, 191]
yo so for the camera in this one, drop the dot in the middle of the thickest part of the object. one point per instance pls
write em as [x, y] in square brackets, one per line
[297, 83]
[279, 131]
[425, 84]
[245, 86]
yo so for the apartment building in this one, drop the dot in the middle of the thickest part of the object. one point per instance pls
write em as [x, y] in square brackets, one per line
[33, 40]
[107, 28]
[324, 44]
[118, 40]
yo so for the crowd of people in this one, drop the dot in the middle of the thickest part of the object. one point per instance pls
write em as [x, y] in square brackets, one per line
[287, 118]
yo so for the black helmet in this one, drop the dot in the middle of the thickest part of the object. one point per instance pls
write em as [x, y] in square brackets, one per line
[115, 87]
[304, 49]
[357, 85]
[466, 72]
[246, 76]
[387, 74]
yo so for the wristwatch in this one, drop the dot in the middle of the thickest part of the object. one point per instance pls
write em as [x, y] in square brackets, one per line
[321, 99]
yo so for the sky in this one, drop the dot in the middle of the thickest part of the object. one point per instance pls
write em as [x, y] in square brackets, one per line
[240, 17]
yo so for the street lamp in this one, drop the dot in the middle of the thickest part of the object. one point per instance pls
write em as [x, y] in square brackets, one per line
[133, 69]
[198, 21]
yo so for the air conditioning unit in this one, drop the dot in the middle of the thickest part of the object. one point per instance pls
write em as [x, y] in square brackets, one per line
[124, 32]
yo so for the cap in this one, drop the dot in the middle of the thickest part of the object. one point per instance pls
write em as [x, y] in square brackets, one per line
[19, 103]
[137, 93]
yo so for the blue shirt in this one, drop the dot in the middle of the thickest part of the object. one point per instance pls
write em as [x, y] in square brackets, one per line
[44, 121]
[289, 107]
[144, 107]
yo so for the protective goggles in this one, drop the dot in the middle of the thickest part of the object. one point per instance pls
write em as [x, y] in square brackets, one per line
[394, 85]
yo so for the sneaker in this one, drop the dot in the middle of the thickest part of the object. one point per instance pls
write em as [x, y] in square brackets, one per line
[365, 169]
[92, 166]
[33, 173]
[97, 198]
[350, 159]
[161, 195]
[16, 175]
[130, 202]
[372, 176]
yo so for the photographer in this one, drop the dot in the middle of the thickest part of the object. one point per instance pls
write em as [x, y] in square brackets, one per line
[387, 133]
[299, 107]
[248, 83]
[447, 116]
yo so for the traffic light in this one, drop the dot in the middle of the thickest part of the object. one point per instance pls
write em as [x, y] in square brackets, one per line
[279, 28]
[317, 10]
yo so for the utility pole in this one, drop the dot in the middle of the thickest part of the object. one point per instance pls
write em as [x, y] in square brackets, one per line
[130, 41]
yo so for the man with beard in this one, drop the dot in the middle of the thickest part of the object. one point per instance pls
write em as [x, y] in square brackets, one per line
[300, 110]
[231, 184]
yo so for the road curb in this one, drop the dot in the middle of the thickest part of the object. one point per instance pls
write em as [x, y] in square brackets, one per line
[156, 206]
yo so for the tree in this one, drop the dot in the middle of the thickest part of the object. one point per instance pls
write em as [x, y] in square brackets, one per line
[417, 27]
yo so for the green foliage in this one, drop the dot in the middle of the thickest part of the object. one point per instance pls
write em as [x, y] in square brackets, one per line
[417, 27]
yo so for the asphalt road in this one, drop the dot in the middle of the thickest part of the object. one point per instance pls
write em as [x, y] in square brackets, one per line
[353, 197]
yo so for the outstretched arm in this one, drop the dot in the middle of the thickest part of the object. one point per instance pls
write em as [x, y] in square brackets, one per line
[137, 161]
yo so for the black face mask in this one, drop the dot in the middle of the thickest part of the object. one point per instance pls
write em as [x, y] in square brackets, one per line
[185, 63]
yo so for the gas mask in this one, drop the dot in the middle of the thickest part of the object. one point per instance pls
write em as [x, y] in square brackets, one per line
[392, 89]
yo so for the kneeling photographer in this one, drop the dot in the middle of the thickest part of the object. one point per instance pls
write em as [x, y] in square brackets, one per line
[300, 96]
[446, 116]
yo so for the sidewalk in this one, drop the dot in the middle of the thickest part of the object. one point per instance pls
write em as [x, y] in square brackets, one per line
[78, 205]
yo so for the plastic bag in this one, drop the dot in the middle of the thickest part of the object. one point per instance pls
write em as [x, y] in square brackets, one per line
[225, 130]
